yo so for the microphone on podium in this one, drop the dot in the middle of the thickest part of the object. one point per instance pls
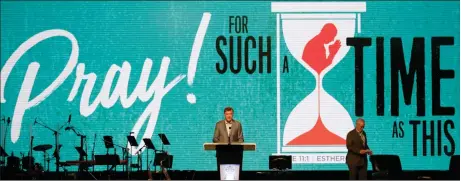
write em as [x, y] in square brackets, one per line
[230, 128]
[69, 119]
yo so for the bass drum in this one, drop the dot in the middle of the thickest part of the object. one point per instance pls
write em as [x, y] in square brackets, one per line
[28, 163]
[12, 163]
[38, 167]
[36, 172]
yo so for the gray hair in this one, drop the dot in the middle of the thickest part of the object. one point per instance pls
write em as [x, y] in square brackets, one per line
[359, 120]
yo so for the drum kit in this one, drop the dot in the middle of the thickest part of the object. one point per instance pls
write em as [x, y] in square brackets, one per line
[24, 165]
[27, 165]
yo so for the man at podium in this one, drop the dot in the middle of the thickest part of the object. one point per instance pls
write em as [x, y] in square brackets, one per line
[228, 130]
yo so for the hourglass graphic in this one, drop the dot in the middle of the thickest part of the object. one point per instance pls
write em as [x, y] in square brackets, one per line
[315, 34]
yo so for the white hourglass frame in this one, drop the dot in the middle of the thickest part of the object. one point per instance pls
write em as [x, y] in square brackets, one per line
[302, 19]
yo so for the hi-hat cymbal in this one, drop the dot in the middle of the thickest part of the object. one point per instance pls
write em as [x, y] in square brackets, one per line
[42, 147]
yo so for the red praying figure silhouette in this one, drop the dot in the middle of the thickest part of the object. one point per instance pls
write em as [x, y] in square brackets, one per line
[314, 52]
[316, 57]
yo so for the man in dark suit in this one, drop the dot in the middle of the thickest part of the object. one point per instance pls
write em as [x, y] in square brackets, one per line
[228, 129]
[357, 151]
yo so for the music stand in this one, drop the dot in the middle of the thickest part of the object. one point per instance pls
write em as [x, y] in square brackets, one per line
[167, 160]
[55, 154]
[133, 142]
[108, 142]
[164, 139]
[107, 159]
[113, 160]
[280, 162]
[82, 154]
[2, 152]
[149, 146]
[80, 151]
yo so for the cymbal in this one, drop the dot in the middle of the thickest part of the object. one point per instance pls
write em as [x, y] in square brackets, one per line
[42, 147]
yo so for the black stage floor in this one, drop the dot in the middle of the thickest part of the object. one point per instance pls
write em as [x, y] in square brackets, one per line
[213, 175]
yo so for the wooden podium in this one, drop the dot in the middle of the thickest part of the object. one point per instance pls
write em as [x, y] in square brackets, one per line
[229, 157]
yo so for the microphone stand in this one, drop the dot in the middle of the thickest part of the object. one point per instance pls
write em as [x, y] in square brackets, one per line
[94, 145]
[82, 143]
[56, 135]
[140, 157]
[8, 121]
[229, 138]
[4, 137]
[122, 147]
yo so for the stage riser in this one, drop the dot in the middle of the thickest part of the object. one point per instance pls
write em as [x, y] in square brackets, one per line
[246, 175]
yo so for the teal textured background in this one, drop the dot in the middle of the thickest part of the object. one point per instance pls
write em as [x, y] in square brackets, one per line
[113, 32]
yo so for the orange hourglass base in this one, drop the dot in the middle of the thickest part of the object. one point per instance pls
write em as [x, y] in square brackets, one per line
[319, 135]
